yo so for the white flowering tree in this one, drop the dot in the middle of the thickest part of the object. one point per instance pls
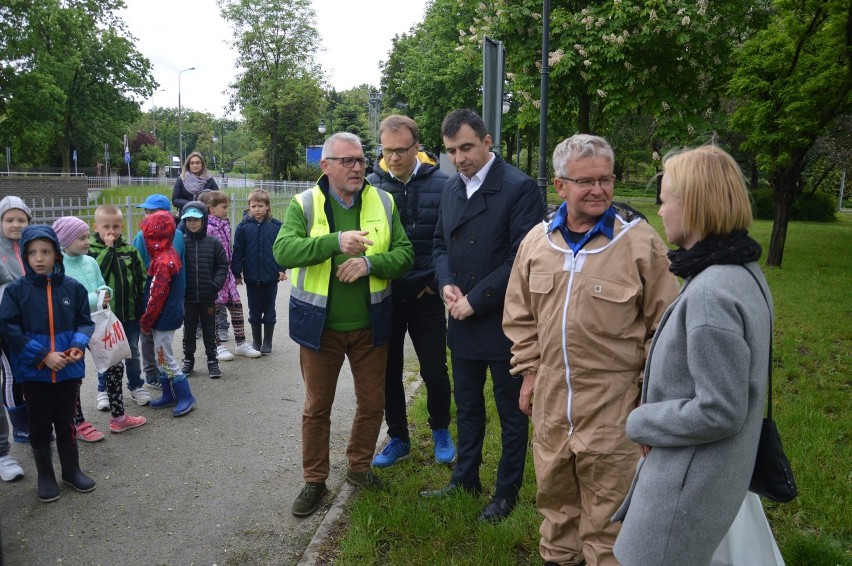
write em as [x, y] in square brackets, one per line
[666, 60]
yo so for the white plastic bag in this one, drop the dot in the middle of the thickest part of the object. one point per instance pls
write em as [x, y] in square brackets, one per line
[108, 345]
[749, 541]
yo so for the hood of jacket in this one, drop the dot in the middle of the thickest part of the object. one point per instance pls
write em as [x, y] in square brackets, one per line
[202, 208]
[36, 232]
[428, 162]
[158, 229]
[10, 202]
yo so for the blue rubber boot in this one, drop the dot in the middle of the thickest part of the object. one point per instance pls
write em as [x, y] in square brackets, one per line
[168, 397]
[185, 400]
[20, 423]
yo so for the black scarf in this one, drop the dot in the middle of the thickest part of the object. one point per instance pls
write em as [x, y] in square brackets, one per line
[735, 248]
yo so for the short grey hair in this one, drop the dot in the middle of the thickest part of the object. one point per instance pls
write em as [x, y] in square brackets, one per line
[341, 137]
[577, 147]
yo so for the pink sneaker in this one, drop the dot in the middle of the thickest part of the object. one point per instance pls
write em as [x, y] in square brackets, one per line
[126, 424]
[87, 433]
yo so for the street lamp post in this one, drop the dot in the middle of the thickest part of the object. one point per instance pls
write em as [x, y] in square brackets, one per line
[180, 124]
[321, 129]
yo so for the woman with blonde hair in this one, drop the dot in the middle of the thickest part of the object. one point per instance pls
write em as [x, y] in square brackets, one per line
[705, 381]
[194, 180]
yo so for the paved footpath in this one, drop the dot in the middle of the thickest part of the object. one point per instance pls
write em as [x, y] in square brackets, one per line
[213, 487]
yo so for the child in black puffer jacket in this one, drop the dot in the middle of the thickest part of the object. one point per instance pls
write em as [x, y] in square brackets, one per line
[206, 271]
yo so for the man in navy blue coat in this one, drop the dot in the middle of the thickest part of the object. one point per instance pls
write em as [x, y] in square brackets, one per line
[486, 210]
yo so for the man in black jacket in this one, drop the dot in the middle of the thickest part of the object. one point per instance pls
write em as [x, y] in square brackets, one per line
[206, 271]
[416, 183]
[486, 210]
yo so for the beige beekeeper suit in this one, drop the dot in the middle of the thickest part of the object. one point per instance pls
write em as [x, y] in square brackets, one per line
[583, 321]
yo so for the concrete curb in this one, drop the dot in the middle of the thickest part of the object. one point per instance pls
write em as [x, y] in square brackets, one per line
[338, 507]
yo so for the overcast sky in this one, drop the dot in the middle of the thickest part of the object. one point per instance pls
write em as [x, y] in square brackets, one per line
[176, 35]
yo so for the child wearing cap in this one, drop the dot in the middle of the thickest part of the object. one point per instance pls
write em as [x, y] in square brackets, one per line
[73, 236]
[163, 314]
[14, 217]
[152, 204]
[44, 319]
[206, 271]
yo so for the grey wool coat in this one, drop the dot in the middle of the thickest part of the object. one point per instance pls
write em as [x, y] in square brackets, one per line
[702, 405]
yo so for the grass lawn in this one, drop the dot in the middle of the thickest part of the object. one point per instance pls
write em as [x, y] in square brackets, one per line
[812, 404]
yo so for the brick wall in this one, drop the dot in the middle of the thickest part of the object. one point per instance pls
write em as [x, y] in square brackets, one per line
[30, 187]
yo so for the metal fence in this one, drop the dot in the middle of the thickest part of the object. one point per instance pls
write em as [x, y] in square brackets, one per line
[46, 210]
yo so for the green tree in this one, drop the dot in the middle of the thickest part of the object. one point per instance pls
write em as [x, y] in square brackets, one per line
[69, 73]
[793, 80]
[436, 67]
[279, 88]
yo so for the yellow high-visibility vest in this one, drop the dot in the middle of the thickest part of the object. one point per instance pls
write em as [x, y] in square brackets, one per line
[311, 283]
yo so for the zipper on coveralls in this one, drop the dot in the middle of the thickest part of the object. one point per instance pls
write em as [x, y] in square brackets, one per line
[565, 344]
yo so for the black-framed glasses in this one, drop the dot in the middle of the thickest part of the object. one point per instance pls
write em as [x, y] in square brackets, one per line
[349, 162]
[400, 152]
[607, 182]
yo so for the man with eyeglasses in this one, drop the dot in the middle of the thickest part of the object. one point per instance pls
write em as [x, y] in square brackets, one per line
[585, 296]
[416, 183]
[486, 209]
[344, 241]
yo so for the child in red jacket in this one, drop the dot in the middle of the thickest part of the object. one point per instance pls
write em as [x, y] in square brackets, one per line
[163, 313]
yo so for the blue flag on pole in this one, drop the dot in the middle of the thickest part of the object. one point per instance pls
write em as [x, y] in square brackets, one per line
[126, 151]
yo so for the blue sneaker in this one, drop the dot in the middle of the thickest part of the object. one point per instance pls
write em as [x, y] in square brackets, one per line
[395, 451]
[445, 450]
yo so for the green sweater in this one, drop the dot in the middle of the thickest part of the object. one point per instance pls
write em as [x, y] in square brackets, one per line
[348, 303]
[124, 272]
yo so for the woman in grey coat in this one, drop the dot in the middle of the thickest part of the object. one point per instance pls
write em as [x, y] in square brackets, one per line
[706, 375]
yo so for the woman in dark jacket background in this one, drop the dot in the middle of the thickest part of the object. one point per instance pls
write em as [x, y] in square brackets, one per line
[194, 179]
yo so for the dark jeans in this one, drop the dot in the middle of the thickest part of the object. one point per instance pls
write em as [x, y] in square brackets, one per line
[468, 388]
[261, 302]
[424, 321]
[51, 407]
[207, 313]
[132, 364]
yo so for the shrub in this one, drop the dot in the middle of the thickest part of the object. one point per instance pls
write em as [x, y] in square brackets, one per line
[304, 172]
[818, 207]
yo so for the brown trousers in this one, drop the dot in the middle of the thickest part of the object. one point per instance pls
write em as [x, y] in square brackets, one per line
[320, 370]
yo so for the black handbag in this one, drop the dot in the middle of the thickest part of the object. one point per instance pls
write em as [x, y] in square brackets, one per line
[772, 477]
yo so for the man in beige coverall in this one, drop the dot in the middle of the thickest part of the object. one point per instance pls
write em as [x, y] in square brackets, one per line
[587, 290]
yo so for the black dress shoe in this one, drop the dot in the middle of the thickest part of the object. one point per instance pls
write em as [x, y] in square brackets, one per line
[497, 510]
[450, 489]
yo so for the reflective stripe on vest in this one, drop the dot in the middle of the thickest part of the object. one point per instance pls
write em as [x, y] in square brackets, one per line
[311, 283]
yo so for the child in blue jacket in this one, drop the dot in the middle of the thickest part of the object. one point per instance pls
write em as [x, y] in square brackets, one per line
[44, 320]
[254, 264]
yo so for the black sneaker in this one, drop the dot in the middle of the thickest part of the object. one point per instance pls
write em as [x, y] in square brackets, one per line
[364, 480]
[309, 499]
[213, 369]
[188, 366]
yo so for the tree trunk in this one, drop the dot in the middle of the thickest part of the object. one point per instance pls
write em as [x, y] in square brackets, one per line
[584, 113]
[529, 156]
[273, 148]
[784, 184]
[755, 174]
